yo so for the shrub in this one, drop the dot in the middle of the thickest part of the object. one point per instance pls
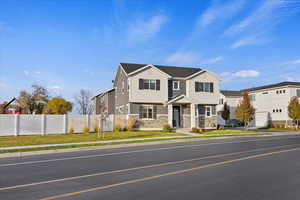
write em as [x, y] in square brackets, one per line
[167, 128]
[96, 128]
[130, 124]
[118, 128]
[197, 130]
[85, 130]
[125, 128]
[221, 128]
[71, 130]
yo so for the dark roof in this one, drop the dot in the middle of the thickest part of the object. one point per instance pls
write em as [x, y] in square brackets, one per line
[231, 93]
[102, 93]
[286, 83]
[173, 71]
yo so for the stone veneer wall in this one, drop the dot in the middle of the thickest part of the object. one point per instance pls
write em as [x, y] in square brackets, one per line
[154, 124]
[280, 123]
[206, 122]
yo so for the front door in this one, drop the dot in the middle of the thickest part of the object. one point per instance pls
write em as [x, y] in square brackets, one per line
[176, 116]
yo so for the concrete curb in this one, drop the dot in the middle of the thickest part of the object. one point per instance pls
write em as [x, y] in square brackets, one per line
[115, 146]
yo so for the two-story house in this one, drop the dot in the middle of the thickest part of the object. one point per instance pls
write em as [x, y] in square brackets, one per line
[156, 95]
[271, 102]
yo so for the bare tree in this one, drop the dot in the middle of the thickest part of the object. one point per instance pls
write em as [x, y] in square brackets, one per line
[83, 99]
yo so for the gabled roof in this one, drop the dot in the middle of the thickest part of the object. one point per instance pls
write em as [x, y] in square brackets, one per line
[231, 93]
[281, 84]
[103, 93]
[180, 72]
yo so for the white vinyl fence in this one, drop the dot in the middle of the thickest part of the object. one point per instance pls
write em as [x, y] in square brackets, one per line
[50, 124]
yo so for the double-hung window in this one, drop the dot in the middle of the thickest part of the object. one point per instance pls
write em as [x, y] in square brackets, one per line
[298, 92]
[147, 112]
[176, 85]
[149, 84]
[204, 87]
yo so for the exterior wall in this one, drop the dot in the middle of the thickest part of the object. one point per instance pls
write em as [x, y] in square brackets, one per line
[148, 96]
[182, 88]
[203, 97]
[108, 100]
[233, 102]
[121, 96]
[156, 124]
[206, 122]
[268, 100]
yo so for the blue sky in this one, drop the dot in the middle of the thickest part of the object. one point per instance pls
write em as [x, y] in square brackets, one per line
[69, 45]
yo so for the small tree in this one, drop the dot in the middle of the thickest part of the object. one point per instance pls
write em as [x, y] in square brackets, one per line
[294, 110]
[226, 112]
[83, 100]
[58, 105]
[245, 111]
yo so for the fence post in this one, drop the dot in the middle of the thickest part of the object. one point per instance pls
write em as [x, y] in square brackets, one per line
[43, 116]
[17, 124]
[65, 124]
[88, 121]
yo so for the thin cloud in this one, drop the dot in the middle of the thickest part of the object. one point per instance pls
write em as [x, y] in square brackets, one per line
[144, 29]
[217, 11]
[293, 62]
[250, 40]
[247, 73]
[213, 60]
[183, 58]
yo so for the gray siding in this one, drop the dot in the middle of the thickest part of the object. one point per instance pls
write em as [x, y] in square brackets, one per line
[174, 93]
[122, 97]
[108, 100]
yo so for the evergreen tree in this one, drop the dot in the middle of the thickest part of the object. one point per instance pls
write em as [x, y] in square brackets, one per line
[226, 112]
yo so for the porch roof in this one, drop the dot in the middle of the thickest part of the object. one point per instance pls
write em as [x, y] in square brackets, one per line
[179, 99]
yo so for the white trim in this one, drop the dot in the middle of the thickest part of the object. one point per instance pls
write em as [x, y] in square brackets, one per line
[143, 105]
[200, 72]
[175, 99]
[145, 67]
[103, 93]
[178, 84]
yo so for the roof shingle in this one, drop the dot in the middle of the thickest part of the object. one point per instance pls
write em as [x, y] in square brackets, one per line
[180, 72]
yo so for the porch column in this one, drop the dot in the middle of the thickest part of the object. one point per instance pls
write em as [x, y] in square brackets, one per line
[170, 115]
[193, 116]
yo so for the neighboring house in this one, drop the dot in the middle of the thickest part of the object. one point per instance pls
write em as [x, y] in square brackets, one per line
[104, 102]
[232, 98]
[156, 95]
[271, 102]
[13, 107]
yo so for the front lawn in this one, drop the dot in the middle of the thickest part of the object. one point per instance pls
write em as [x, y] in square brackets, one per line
[72, 138]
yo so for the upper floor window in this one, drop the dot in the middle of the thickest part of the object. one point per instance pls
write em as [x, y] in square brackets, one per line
[123, 86]
[204, 87]
[221, 101]
[252, 97]
[176, 85]
[148, 84]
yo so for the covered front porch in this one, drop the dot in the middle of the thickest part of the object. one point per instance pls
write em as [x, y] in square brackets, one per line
[182, 113]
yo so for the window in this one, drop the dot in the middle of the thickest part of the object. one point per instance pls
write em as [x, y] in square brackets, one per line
[146, 112]
[123, 86]
[208, 111]
[298, 92]
[146, 84]
[204, 87]
[252, 97]
[283, 91]
[280, 110]
[176, 85]
[273, 110]
[277, 92]
[221, 101]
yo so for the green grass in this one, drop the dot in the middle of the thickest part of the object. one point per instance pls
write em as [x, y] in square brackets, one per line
[148, 140]
[228, 131]
[283, 129]
[72, 138]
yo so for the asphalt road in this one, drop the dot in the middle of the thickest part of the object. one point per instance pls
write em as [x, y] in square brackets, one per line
[247, 168]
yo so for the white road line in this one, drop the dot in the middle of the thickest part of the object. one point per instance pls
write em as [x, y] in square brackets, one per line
[135, 151]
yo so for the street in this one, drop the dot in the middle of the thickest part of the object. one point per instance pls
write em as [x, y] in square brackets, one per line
[246, 168]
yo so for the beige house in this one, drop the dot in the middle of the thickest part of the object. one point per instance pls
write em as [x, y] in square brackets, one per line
[156, 95]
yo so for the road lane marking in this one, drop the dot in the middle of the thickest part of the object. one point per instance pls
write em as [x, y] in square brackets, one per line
[168, 174]
[138, 168]
[135, 151]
